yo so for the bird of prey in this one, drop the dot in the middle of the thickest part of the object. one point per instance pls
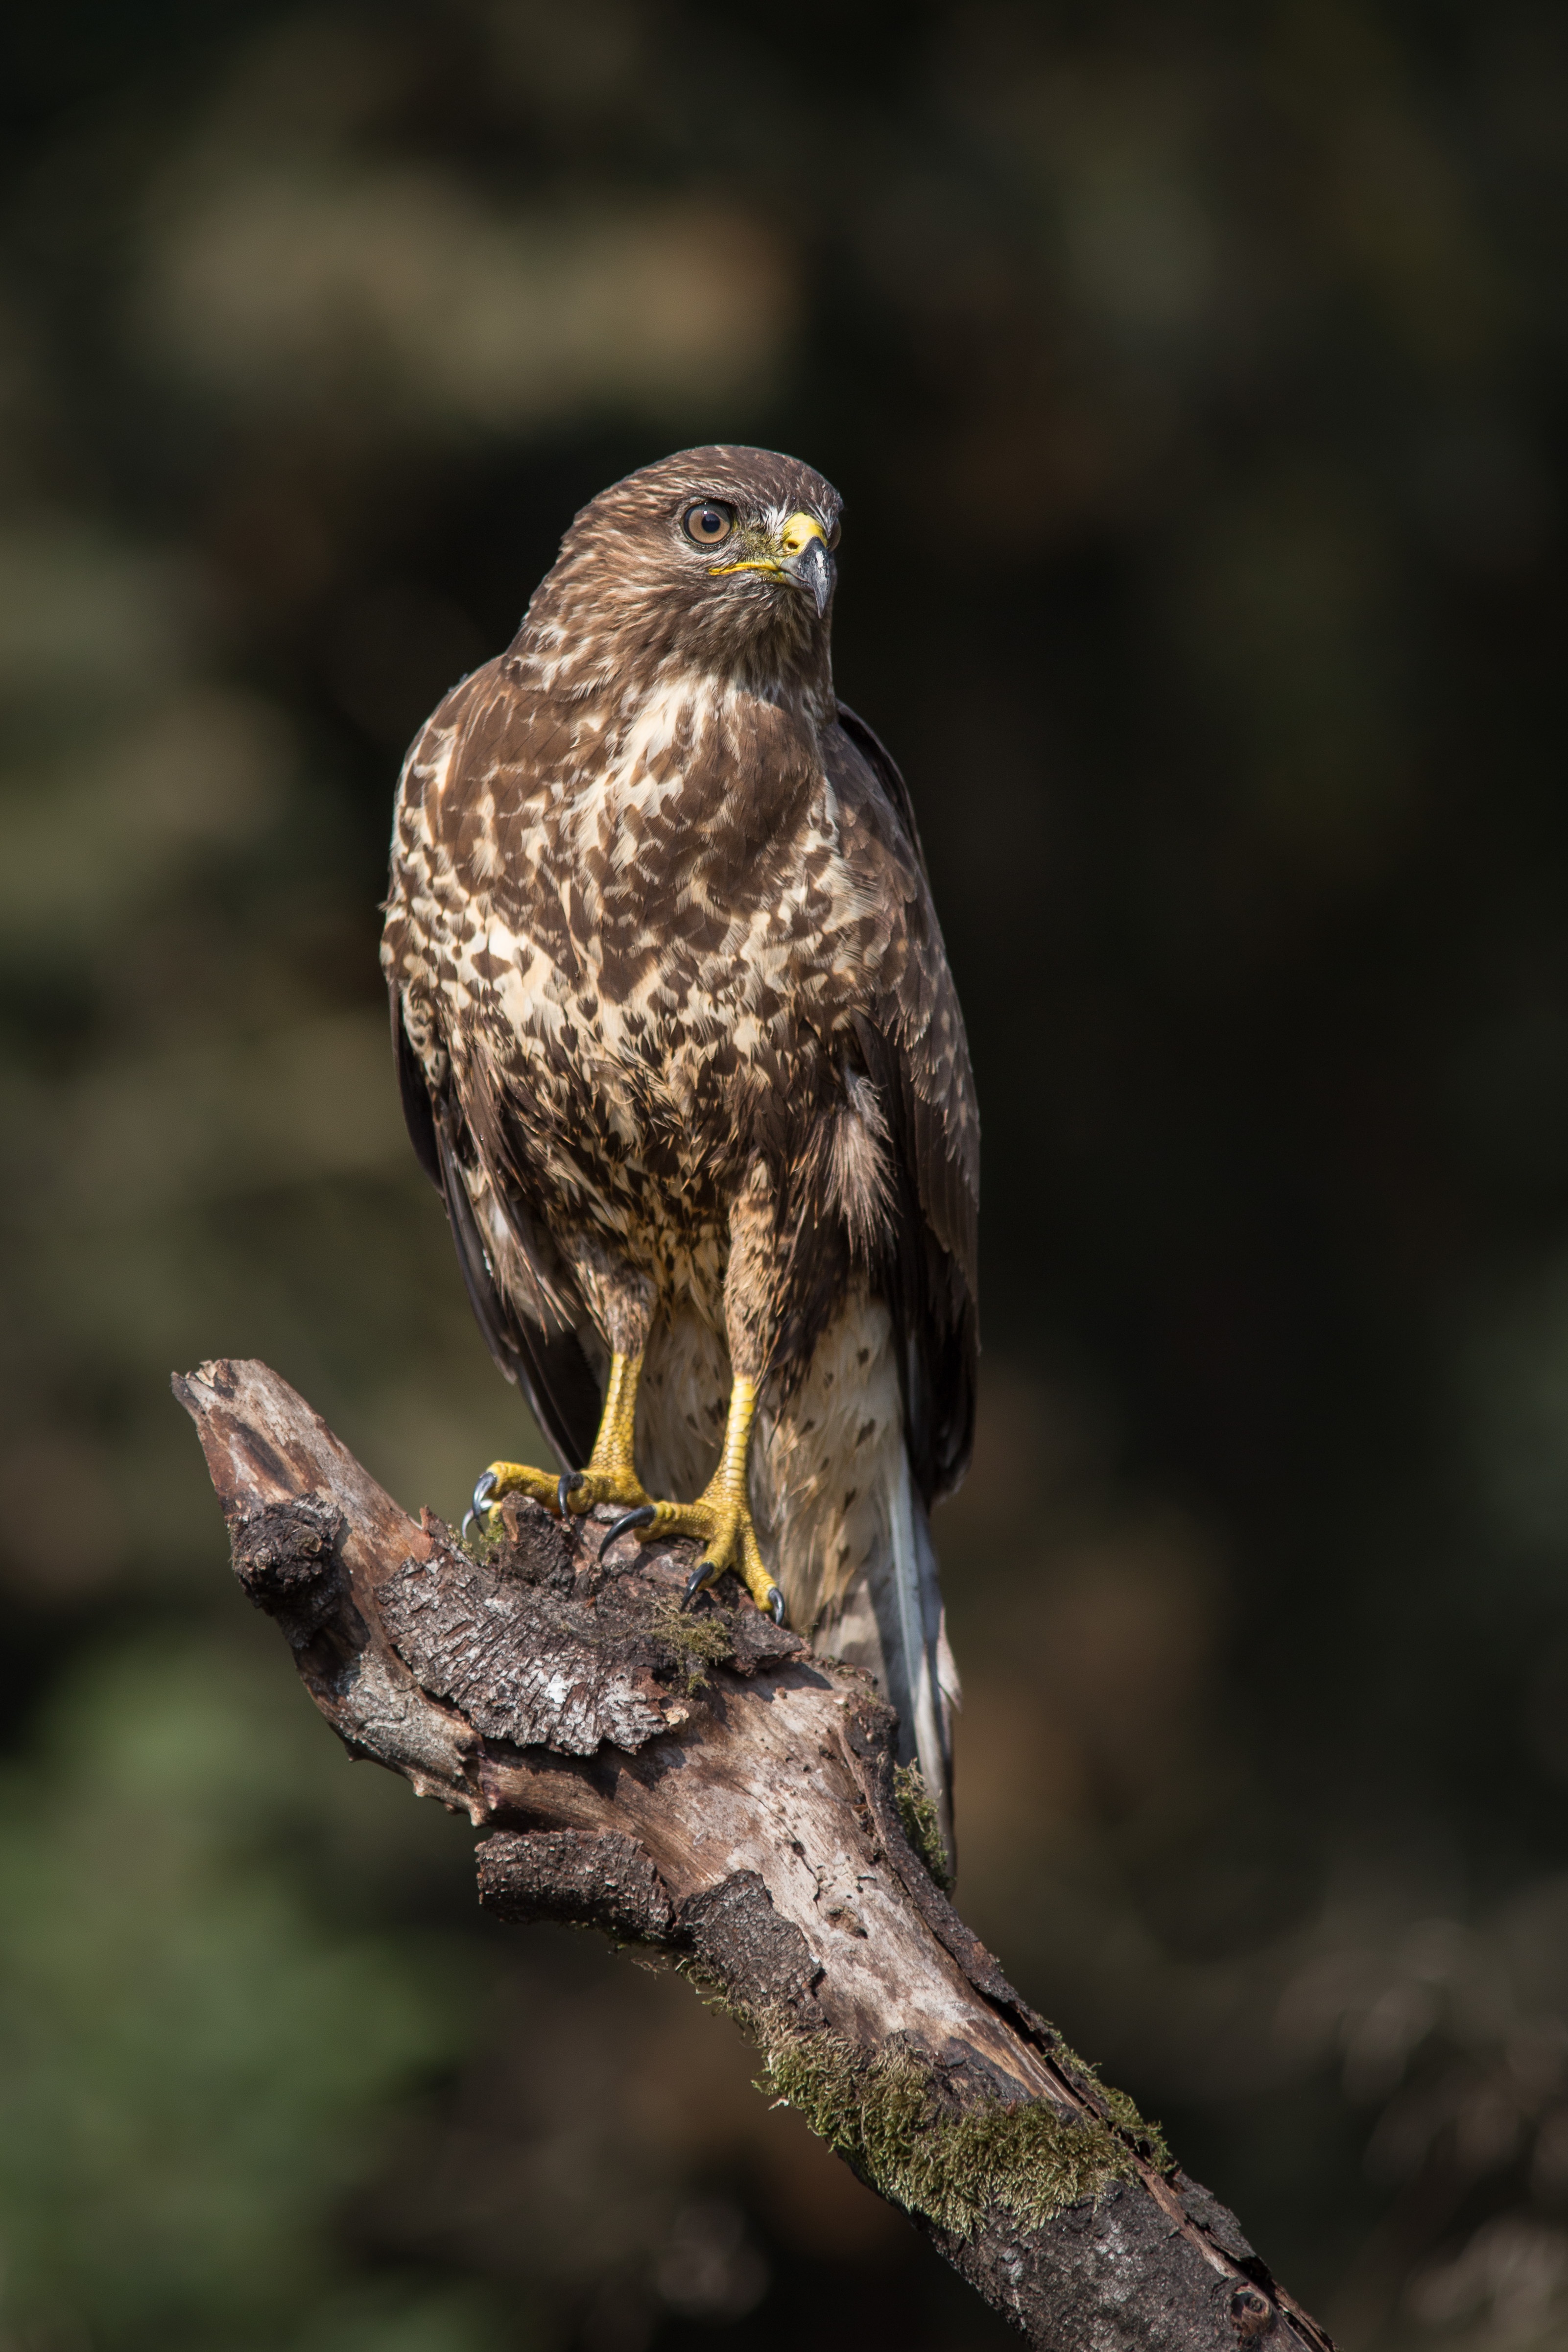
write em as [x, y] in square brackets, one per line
[679, 1043]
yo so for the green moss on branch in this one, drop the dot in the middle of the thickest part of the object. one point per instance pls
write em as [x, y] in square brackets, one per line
[698, 1643]
[1146, 2138]
[1030, 2160]
[923, 1827]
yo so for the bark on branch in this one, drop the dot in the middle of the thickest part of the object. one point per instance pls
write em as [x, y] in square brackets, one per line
[708, 1786]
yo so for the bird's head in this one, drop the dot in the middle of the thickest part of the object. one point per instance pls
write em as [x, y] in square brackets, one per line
[724, 554]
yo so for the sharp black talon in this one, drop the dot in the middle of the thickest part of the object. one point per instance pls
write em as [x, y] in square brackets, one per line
[776, 1606]
[628, 1519]
[484, 1489]
[568, 1483]
[468, 1523]
[694, 1583]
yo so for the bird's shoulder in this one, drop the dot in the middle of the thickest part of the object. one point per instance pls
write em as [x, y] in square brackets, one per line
[920, 1040]
[489, 738]
[869, 780]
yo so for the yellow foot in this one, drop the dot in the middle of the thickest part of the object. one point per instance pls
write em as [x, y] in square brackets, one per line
[720, 1519]
[510, 1478]
[581, 1490]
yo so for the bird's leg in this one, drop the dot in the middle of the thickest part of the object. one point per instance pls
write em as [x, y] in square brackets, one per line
[611, 1474]
[720, 1517]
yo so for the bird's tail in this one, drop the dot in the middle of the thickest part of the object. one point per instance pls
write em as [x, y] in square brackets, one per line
[923, 1678]
[841, 1517]
[894, 1623]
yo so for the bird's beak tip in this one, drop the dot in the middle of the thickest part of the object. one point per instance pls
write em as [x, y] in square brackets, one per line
[813, 569]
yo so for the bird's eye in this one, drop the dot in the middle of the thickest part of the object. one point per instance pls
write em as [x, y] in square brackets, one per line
[833, 535]
[709, 524]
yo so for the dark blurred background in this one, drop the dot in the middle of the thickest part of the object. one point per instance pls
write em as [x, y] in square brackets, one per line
[1197, 380]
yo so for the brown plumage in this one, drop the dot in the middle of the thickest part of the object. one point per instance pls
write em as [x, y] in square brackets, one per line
[680, 1044]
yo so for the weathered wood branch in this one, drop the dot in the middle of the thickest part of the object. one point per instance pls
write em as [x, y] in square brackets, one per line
[708, 1786]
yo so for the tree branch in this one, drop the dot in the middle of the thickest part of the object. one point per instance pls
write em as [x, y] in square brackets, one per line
[708, 1786]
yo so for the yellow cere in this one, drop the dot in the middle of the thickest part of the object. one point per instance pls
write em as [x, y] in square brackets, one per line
[797, 531]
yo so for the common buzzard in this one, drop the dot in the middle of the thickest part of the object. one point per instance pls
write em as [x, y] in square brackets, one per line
[679, 1046]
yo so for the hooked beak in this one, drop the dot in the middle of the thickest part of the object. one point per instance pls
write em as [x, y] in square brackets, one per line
[801, 555]
[812, 570]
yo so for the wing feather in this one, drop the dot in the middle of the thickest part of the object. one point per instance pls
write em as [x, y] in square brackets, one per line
[912, 1042]
[456, 1131]
[551, 1365]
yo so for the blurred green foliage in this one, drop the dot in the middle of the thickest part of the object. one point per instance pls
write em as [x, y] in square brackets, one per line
[1195, 378]
[196, 2061]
